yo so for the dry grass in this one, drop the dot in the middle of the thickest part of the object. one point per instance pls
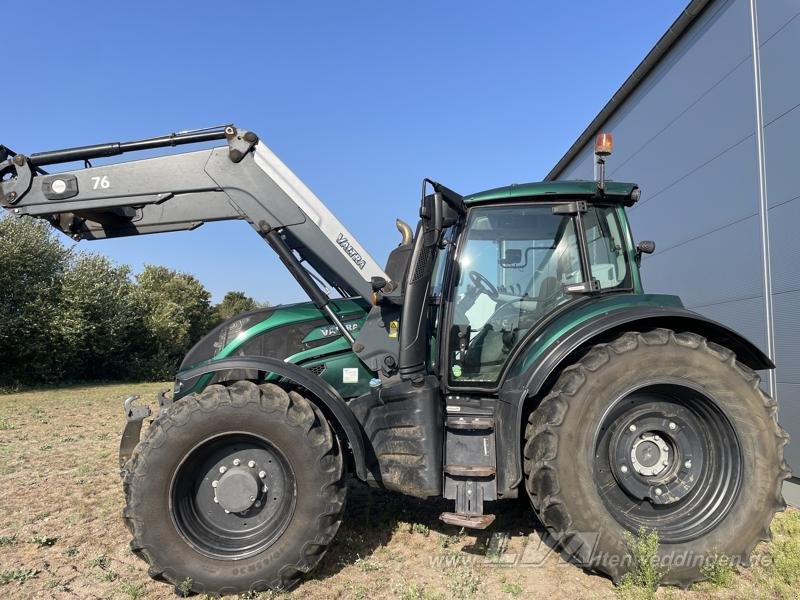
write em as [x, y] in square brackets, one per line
[61, 535]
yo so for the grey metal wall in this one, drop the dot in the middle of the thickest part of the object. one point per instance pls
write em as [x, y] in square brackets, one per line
[688, 136]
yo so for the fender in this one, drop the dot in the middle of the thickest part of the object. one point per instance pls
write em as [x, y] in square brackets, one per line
[321, 391]
[518, 391]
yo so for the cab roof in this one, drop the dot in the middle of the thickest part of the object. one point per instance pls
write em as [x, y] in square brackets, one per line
[546, 191]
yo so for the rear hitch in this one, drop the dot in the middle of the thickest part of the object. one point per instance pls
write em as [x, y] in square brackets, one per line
[133, 429]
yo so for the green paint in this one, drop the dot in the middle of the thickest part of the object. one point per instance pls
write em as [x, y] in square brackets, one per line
[330, 331]
[338, 345]
[582, 313]
[334, 374]
[295, 313]
[287, 315]
[550, 189]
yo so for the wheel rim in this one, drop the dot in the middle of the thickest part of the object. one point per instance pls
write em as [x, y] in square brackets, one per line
[667, 458]
[232, 496]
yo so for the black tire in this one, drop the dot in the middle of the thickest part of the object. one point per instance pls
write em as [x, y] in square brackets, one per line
[281, 428]
[572, 450]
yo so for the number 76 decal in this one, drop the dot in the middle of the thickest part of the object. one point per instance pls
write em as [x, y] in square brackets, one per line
[101, 183]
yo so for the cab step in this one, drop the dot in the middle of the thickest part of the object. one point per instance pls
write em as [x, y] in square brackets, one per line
[467, 521]
[470, 463]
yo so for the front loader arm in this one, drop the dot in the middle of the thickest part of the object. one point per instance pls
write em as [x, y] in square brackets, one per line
[170, 193]
[241, 181]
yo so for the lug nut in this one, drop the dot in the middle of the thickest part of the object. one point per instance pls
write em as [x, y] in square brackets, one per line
[262, 474]
[216, 500]
[214, 483]
[252, 498]
[258, 504]
[251, 464]
[624, 469]
[632, 427]
[223, 469]
[658, 491]
[672, 426]
[227, 512]
[688, 464]
[236, 462]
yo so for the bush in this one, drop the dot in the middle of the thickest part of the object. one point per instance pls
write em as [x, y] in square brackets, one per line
[70, 316]
[100, 322]
[32, 266]
[177, 313]
[232, 304]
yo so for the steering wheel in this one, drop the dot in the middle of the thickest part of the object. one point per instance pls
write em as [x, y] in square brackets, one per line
[483, 285]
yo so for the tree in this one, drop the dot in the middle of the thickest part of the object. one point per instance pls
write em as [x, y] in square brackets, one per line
[32, 264]
[232, 304]
[101, 322]
[177, 312]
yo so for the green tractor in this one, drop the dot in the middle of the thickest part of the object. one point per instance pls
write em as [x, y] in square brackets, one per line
[507, 348]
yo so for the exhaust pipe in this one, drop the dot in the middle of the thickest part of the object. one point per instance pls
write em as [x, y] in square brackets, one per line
[405, 231]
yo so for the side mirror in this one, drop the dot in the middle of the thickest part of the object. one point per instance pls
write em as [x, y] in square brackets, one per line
[512, 257]
[644, 247]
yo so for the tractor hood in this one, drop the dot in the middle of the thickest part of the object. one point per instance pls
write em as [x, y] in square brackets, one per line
[290, 332]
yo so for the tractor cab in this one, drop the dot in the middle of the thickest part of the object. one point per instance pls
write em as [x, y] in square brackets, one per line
[520, 258]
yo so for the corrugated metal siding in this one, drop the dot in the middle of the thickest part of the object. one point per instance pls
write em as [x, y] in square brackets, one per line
[779, 33]
[687, 136]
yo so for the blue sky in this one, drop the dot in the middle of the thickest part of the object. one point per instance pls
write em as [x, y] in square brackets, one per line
[361, 99]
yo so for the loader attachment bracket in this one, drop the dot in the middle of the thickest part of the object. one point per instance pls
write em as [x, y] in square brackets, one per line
[16, 176]
[133, 429]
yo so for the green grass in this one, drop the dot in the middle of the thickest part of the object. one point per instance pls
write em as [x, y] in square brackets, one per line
[44, 541]
[464, 582]
[101, 561]
[417, 591]
[644, 577]
[421, 528]
[134, 591]
[109, 576]
[19, 576]
[184, 588]
[5, 424]
[719, 571]
[8, 540]
[450, 540]
[511, 588]
[366, 565]
[784, 569]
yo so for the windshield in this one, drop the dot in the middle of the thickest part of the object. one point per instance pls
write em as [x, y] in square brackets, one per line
[514, 266]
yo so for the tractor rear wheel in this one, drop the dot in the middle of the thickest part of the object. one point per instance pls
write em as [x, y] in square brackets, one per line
[237, 489]
[660, 431]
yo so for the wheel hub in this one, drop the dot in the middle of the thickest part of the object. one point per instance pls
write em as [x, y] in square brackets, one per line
[650, 454]
[237, 490]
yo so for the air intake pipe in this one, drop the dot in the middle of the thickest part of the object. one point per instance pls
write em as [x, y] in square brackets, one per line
[405, 231]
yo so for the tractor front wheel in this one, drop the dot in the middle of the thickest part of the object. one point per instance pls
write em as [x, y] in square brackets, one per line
[237, 489]
[656, 431]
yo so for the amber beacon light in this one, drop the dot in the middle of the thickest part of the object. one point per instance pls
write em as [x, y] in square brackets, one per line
[603, 144]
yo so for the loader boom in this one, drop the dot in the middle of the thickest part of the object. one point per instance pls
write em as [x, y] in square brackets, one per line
[241, 181]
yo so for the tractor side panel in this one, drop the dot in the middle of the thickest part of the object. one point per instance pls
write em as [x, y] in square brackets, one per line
[299, 334]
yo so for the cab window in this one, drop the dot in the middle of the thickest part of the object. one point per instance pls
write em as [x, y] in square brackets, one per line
[513, 269]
